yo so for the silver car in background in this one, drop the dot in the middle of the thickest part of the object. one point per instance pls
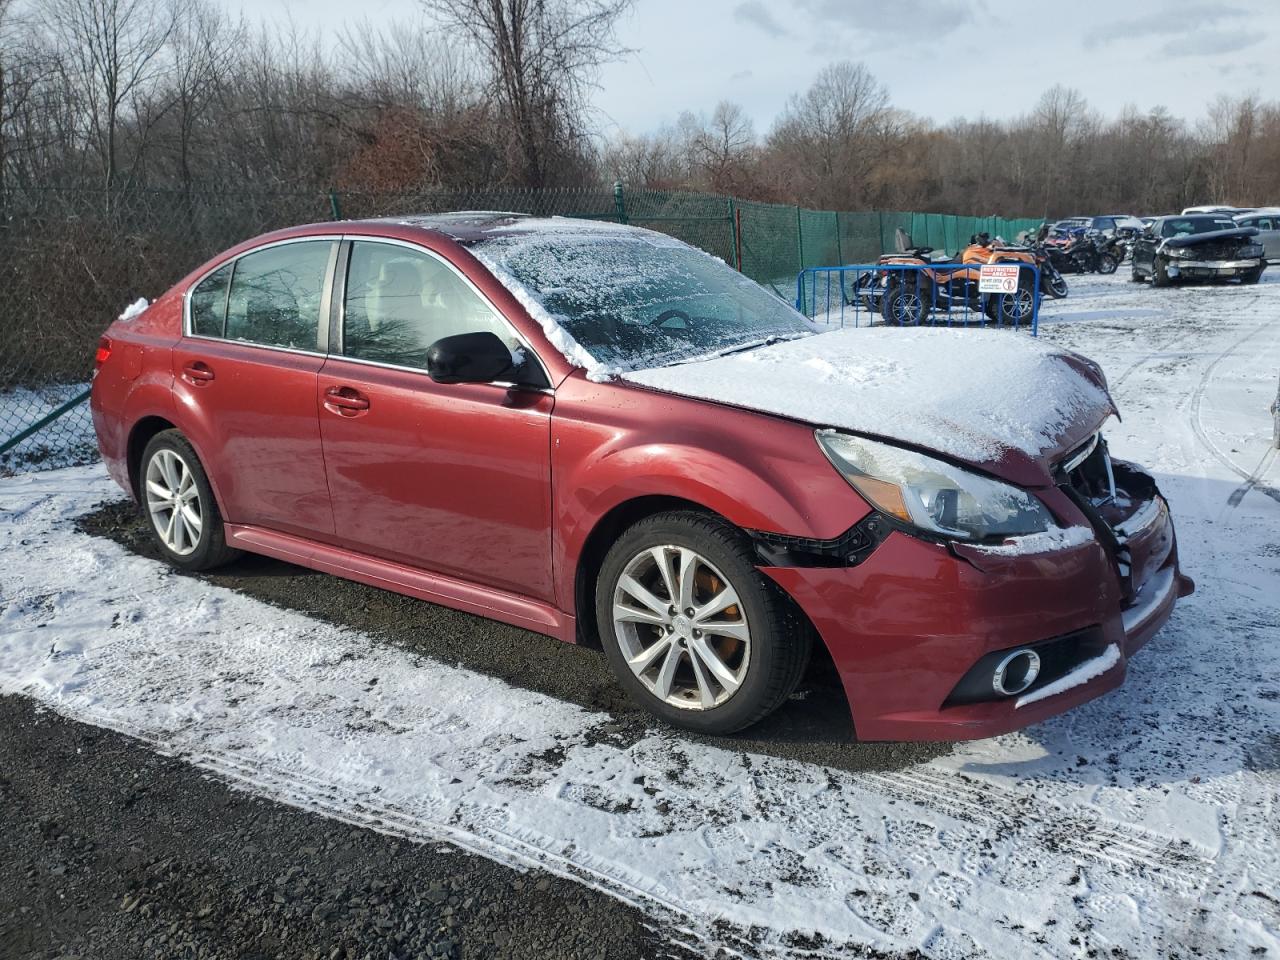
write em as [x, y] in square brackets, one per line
[1267, 222]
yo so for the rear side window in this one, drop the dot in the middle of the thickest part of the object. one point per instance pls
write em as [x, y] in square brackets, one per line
[209, 303]
[275, 295]
[400, 301]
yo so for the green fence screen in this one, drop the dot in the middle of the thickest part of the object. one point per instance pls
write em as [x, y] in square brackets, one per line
[72, 258]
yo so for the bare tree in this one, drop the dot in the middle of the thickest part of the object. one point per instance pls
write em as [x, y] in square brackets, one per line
[113, 49]
[831, 133]
[542, 56]
[201, 53]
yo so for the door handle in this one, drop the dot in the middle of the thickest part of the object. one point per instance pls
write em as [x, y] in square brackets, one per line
[197, 372]
[345, 401]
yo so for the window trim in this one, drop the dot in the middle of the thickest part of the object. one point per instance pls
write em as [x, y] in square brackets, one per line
[338, 310]
[326, 292]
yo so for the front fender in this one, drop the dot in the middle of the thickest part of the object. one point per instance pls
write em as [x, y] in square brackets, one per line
[757, 471]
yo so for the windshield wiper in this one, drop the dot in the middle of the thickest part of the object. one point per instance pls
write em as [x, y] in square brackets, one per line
[741, 348]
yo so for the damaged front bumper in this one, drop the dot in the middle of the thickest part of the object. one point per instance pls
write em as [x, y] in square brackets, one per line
[917, 629]
[1213, 268]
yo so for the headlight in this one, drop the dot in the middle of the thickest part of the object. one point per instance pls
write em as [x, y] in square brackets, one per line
[1181, 253]
[935, 496]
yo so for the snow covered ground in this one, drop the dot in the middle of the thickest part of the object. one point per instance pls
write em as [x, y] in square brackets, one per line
[1145, 824]
[68, 440]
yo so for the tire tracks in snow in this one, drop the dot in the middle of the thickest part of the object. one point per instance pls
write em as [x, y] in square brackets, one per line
[1252, 478]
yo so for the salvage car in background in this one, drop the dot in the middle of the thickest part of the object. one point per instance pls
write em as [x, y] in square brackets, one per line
[1197, 247]
[1267, 223]
[599, 433]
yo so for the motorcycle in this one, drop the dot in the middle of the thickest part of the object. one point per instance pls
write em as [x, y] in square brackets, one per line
[1089, 253]
[1110, 251]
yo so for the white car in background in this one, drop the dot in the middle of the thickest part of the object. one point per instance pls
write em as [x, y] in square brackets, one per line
[1267, 221]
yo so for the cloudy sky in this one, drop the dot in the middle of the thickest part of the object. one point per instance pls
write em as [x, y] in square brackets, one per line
[939, 58]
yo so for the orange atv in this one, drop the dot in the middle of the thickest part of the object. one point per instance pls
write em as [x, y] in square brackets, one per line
[916, 281]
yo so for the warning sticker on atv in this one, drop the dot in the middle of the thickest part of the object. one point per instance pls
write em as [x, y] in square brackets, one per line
[998, 278]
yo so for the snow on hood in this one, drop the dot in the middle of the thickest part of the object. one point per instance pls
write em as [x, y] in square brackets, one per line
[972, 394]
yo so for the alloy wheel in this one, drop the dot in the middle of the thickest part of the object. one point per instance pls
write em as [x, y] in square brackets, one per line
[173, 502]
[681, 627]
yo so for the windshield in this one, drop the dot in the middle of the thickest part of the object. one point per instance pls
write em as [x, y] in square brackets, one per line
[1184, 226]
[632, 298]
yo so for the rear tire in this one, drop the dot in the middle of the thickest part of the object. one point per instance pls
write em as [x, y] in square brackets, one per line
[1107, 264]
[716, 673]
[1012, 309]
[176, 498]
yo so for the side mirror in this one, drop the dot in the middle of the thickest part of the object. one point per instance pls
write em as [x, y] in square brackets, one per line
[469, 358]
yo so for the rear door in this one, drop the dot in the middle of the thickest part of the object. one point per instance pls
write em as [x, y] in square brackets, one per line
[245, 378]
[450, 478]
[1269, 236]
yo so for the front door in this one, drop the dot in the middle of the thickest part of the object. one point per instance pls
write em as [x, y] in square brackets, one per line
[450, 478]
[244, 378]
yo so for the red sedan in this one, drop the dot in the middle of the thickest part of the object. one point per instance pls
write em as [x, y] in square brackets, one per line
[599, 433]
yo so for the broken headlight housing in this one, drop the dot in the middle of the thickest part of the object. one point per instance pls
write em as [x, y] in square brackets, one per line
[934, 496]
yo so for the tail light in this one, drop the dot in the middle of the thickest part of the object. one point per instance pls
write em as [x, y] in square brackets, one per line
[104, 352]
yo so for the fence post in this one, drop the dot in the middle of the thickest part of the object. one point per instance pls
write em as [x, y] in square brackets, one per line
[737, 232]
[334, 207]
[799, 240]
[43, 422]
[619, 202]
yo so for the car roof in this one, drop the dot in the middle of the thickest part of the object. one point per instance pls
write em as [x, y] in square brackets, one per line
[472, 226]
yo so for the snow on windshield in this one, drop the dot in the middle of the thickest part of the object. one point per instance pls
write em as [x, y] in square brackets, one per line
[613, 298]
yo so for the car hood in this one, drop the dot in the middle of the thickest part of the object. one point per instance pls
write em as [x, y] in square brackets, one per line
[1213, 236]
[995, 399]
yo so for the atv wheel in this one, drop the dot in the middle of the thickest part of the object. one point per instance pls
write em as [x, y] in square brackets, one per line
[1107, 264]
[1055, 286]
[1012, 309]
[906, 304]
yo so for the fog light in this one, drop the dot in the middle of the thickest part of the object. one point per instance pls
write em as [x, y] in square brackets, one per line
[1017, 671]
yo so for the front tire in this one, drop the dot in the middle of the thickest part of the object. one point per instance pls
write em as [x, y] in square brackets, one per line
[1160, 273]
[1107, 264]
[177, 499]
[693, 631]
[906, 304]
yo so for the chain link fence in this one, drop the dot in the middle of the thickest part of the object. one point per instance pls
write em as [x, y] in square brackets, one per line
[72, 258]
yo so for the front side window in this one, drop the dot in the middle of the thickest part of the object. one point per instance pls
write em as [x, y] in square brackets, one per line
[209, 303]
[400, 301]
[275, 295]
